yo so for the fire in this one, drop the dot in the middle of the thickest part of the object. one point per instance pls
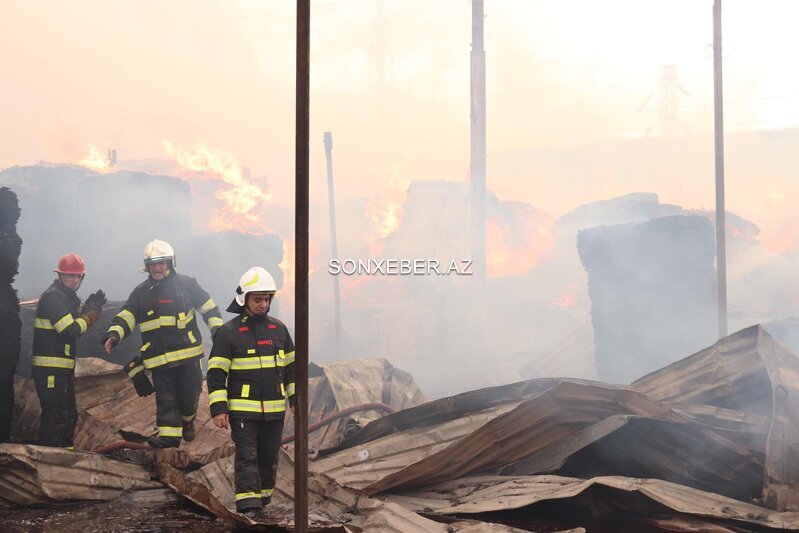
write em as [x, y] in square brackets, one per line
[386, 213]
[242, 197]
[515, 246]
[96, 161]
[287, 264]
[563, 301]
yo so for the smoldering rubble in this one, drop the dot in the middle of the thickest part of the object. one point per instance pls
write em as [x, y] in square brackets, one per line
[707, 442]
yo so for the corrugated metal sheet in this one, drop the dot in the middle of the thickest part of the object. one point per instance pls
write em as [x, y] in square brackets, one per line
[573, 423]
[349, 383]
[38, 474]
[330, 504]
[751, 373]
[444, 409]
[108, 404]
[365, 464]
[487, 494]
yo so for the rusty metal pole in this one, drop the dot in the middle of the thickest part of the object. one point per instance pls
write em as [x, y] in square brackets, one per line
[331, 204]
[721, 225]
[301, 225]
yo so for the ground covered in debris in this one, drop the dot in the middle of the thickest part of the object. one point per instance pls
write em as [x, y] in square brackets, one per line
[112, 516]
[704, 444]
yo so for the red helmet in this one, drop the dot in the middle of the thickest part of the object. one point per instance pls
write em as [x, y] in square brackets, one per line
[71, 264]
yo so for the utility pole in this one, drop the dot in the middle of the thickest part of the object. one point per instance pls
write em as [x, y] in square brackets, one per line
[301, 224]
[721, 235]
[331, 204]
[478, 143]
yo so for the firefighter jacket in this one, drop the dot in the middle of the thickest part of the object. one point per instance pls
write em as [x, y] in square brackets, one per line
[251, 368]
[164, 310]
[56, 328]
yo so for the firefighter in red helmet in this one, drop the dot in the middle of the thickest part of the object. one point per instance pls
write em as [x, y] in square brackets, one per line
[60, 320]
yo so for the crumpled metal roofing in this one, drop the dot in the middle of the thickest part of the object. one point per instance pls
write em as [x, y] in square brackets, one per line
[39, 474]
[349, 383]
[671, 452]
[747, 383]
[108, 403]
[573, 427]
[484, 494]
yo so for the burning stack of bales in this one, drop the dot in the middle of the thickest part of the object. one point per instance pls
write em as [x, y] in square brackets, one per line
[108, 219]
[10, 247]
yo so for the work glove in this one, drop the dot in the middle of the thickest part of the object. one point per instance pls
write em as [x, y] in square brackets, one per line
[90, 316]
[142, 384]
[140, 381]
[95, 301]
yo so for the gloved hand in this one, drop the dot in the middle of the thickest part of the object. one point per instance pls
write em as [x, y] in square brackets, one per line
[90, 316]
[142, 384]
[95, 301]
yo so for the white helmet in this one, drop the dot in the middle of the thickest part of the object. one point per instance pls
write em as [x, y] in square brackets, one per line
[256, 279]
[157, 251]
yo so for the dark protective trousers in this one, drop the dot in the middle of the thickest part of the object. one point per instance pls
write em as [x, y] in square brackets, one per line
[59, 411]
[257, 446]
[177, 391]
[6, 402]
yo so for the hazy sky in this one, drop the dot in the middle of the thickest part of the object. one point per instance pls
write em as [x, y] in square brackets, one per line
[390, 78]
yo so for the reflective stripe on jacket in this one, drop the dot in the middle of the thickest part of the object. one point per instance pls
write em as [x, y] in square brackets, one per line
[251, 368]
[166, 313]
[56, 329]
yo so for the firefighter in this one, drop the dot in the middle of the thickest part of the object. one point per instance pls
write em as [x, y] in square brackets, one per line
[250, 381]
[59, 322]
[163, 307]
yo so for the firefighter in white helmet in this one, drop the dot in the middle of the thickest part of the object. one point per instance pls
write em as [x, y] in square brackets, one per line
[164, 308]
[250, 384]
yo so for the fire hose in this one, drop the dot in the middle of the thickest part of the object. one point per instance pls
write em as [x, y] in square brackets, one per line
[122, 444]
[344, 412]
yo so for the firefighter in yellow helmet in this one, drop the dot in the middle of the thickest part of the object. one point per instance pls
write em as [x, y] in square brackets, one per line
[60, 320]
[250, 384]
[164, 307]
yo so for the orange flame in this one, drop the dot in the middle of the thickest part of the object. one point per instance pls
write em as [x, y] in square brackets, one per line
[242, 198]
[96, 161]
[288, 266]
[287, 263]
[386, 213]
[514, 247]
[563, 301]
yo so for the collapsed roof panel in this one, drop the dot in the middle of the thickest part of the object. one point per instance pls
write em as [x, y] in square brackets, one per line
[37, 474]
[536, 424]
[444, 409]
[368, 463]
[330, 504]
[108, 404]
[487, 494]
[750, 372]
[644, 447]
[349, 384]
